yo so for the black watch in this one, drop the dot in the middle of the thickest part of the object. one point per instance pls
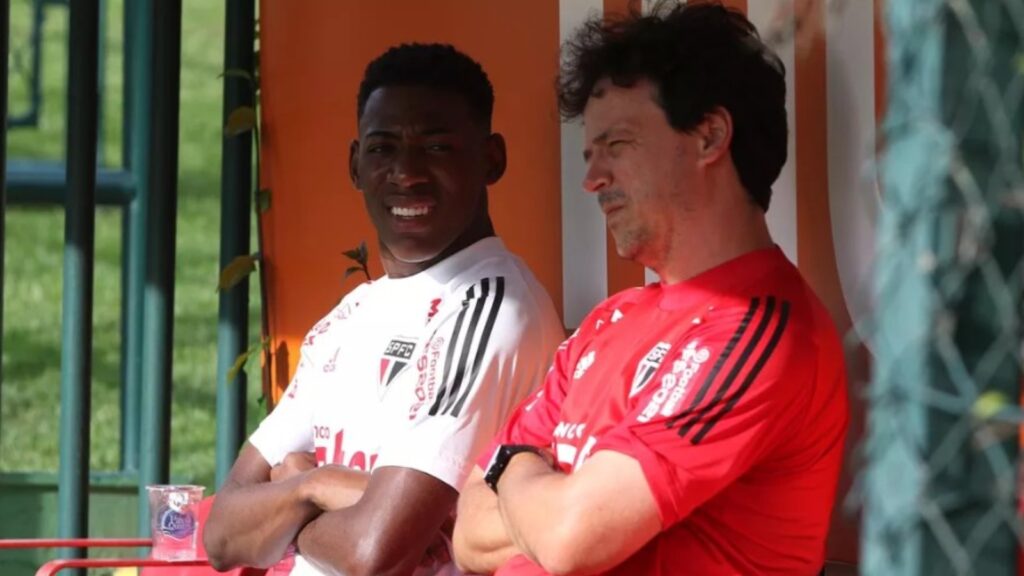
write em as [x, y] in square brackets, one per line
[502, 456]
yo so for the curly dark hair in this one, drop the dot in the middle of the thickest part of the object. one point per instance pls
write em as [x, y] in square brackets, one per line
[699, 56]
[434, 66]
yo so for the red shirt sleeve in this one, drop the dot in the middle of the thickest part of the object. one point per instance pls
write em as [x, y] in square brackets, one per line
[721, 401]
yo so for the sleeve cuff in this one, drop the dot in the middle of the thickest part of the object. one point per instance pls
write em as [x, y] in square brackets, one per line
[660, 480]
[485, 457]
[262, 441]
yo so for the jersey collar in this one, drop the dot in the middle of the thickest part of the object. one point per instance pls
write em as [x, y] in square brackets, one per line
[447, 269]
[722, 280]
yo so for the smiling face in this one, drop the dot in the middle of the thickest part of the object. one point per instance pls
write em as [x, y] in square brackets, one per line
[423, 164]
[642, 170]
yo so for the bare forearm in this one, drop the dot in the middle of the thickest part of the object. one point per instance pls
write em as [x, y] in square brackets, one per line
[481, 543]
[334, 544]
[253, 525]
[386, 532]
[335, 487]
[583, 523]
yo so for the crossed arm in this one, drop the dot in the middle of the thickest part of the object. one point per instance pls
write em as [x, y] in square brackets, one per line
[576, 523]
[343, 520]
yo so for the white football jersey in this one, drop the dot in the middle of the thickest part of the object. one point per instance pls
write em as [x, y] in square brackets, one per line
[418, 372]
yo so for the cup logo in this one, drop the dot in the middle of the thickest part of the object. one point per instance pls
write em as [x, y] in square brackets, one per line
[177, 501]
[176, 524]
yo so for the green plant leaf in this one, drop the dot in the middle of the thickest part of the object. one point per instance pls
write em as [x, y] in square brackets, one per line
[234, 272]
[238, 365]
[359, 253]
[245, 357]
[353, 254]
[241, 120]
[263, 200]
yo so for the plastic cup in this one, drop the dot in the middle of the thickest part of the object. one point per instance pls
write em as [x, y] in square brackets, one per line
[174, 519]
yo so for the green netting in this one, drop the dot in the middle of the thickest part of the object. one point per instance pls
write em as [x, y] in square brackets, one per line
[938, 470]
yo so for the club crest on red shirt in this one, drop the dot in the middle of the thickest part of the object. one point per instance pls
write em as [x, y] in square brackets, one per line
[646, 368]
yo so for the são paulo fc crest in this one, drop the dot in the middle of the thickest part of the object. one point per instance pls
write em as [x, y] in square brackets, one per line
[646, 368]
[395, 359]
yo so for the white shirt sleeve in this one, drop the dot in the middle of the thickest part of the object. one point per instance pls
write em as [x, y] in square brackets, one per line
[288, 428]
[485, 354]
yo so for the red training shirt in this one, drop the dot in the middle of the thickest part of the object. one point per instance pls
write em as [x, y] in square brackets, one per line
[729, 389]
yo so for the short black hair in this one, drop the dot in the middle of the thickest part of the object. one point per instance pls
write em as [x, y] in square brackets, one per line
[434, 66]
[699, 56]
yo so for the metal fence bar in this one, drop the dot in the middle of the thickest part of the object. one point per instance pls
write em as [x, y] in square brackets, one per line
[158, 303]
[43, 183]
[79, 240]
[5, 39]
[31, 116]
[53, 567]
[236, 190]
[138, 88]
[897, 425]
[101, 73]
[30, 543]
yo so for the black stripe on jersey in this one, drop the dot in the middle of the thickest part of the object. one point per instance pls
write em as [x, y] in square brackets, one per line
[741, 362]
[452, 345]
[754, 371]
[453, 392]
[467, 344]
[722, 358]
[499, 295]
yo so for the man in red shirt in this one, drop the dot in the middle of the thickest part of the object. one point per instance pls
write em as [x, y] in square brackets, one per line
[694, 426]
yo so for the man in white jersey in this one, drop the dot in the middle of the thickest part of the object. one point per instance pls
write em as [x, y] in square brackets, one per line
[402, 384]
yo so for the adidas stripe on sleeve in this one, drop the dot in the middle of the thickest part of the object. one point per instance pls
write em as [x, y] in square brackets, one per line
[468, 345]
[485, 356]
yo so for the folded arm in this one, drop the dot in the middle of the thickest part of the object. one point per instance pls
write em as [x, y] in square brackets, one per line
[254, 519]
[388, 531]
[481, 543]
[581, 523]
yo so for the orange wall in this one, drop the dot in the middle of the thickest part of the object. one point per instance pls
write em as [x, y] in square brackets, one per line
[313, 56]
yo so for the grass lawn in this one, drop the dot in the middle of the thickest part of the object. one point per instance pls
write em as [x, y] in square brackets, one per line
[29, 399]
